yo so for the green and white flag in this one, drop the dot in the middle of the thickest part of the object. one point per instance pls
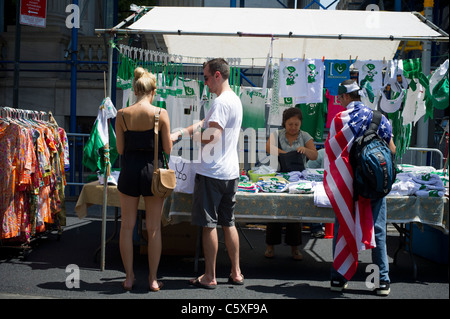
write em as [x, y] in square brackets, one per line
[102, 133]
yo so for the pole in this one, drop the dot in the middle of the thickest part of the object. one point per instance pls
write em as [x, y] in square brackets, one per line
[73, 78]
[17, 58]
[110, 65]
[107, 166]
[106, 150]
[105, 205]
[109, 93]
[422, 127]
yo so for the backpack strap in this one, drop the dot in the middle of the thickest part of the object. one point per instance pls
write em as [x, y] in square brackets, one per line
[156, 129]
[376, 120]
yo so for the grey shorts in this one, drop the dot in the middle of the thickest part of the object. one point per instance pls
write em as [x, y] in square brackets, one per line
[214, 201]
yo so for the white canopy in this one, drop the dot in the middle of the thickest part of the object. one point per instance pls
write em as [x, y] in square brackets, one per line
[247, 33]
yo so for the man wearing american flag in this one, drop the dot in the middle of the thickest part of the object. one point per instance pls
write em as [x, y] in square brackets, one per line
[359, 225]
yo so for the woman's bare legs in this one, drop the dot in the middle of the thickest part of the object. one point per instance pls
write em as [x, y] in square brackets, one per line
[129, 207]
[153, 209]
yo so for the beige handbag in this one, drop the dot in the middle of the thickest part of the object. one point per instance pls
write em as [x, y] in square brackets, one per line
[164, 180]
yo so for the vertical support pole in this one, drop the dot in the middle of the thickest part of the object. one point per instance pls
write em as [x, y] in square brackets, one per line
[105, 205]
[107, 163]
[110, 64]
[422, 127]
[73, 100]
[113, 94]
[73, 78]
[2, 16]
[17, 58]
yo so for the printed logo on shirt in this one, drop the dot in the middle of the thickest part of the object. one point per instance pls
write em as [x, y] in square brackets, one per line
[189, 91]
[288, 101]
[311, 73]
[312, 107]
[291, 75]
[340, 67]
[370, 69]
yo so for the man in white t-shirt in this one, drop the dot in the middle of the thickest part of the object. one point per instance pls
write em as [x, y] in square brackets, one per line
[217, 173]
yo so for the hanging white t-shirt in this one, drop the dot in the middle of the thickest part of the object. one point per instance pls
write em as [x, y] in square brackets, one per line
[276, 117]
[438, 74]
[221, 160]
[314, 82]
[293, 78]
[182, 103]
[414, 107]
[372, 71]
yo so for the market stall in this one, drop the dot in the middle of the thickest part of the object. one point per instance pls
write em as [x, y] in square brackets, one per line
[261, 38]
[247, 33]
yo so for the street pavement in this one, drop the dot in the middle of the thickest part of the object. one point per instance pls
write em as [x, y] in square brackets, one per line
[51, 269]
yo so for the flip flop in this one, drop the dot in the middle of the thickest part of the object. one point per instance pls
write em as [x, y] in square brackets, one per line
[236, 282]
[196, 282]
[269, 253]
[127, 288]
[297, 255]
[160, 285]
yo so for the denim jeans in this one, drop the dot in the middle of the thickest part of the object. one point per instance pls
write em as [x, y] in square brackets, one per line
[379, 253]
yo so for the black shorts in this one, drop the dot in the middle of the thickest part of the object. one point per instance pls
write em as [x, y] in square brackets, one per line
[214, 201]
[136, 174]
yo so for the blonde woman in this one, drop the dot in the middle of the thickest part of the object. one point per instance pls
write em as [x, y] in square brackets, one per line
[135, 143]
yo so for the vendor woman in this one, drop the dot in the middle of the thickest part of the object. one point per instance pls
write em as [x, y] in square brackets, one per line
[293, 147]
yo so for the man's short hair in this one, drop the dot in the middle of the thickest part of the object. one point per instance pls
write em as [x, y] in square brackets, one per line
[220, 65]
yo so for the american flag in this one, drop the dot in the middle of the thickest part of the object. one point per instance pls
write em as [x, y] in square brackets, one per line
[355, 219]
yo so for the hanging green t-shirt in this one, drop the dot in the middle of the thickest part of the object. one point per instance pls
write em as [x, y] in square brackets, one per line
[314, 118]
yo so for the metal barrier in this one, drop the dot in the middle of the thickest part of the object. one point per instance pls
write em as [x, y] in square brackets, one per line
[77, 175]
[423, 157]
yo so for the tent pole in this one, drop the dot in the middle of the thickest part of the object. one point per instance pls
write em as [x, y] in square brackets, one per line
[443, 38]
[105, 205]
[110, 64]
[422, 127]
[106, 149]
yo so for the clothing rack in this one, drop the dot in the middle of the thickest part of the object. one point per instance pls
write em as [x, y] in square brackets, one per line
[161, 62]
[33, 186]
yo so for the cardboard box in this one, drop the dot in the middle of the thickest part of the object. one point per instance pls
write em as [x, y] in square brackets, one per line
[179, 239]
[430, 243]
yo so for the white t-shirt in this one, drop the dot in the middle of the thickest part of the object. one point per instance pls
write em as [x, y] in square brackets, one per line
[293, 78]
[221, 160]
[372, 71]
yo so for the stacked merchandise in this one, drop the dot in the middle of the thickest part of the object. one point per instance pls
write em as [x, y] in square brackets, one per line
[420, 181]
[32, 179]
[411, 181]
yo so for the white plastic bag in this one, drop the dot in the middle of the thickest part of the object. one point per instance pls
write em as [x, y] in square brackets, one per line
[185, 174]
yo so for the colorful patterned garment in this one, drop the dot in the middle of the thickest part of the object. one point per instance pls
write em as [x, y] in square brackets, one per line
[355, 221]
[32, 178]
[9, 142]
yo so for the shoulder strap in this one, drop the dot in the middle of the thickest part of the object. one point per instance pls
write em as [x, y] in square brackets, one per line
[376, 120]
[123, 118]
[156, 129]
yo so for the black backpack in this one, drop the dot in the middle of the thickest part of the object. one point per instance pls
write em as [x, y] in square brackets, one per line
[374, 169]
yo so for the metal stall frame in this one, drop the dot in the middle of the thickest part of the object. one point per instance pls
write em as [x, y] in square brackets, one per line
[288, 35]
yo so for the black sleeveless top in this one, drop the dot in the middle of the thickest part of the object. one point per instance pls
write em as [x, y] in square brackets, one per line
[137, 162]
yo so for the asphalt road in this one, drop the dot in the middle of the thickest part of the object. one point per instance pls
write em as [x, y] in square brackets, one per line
[49, 269]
